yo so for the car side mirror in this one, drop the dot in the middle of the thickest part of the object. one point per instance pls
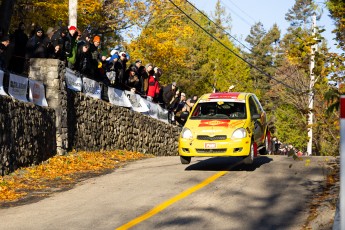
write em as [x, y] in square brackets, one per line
[255, 116]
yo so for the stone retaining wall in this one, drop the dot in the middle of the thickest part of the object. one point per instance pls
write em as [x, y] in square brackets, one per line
[25, 134]
[98, 125]
[30, 134]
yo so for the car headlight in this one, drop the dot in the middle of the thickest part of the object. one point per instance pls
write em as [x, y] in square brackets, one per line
[186, 133]
[239, 133]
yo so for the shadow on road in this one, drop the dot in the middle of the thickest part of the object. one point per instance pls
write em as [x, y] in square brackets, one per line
[227, 164]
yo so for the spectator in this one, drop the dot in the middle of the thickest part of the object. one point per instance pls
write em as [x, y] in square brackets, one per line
[71, 46]
[112, 69]
[83, 62]
[5, 41]
[148, 68]
[122, 63]
[191, 102]
[142, 74]
[181, 107]
[18, 59]
[133, 81]
[35, 47]
[59, 40]
[158, 73]
[96, 57]
[168, 94]
[153, 86]
[172, 106]
[181, 104]
[136, 65]
[86, 36]
[51, 51]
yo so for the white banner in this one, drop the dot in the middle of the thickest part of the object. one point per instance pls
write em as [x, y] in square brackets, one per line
[17, 87]
[73, 82]
[162, 114]
[2, 91]
[92, 88]
[153, 109]
[156, 111]
[37, 93]
[138, 103]
[118, 97]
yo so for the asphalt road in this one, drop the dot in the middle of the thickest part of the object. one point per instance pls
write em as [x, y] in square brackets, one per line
[210, 193]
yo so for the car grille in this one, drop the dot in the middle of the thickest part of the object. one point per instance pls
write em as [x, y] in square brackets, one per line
[208, 138]
[211, 150]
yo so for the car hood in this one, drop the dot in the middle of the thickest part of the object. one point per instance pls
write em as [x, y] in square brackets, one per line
[214, 127]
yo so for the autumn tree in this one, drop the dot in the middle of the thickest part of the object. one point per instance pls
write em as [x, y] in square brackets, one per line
[295, 73]
[337, 69]
[263, 55]
[110, 18]
[198, 56]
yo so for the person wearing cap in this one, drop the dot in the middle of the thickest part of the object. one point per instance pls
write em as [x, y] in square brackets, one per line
[122, 67]
[97, 58]
[133, 80]
[83, 62]
[35, 47]
[168, 94]
[71, 46]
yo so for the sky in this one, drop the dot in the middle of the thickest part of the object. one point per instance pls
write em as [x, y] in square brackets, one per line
[245, 13]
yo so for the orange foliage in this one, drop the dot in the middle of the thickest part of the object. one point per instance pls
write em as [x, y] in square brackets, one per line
[63, 169]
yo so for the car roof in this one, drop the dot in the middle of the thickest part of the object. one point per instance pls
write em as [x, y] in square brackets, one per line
[240, 96]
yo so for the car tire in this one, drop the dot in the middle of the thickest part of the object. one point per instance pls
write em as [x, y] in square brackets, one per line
[250, 158]
[185, 160]
[265, 149]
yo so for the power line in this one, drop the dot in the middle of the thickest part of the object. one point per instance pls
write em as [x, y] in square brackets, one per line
[218, 26]
[255, 54]
[251, 65]
[243, 19]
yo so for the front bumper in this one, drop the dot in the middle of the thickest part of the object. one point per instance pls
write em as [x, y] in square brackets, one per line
[204, 148]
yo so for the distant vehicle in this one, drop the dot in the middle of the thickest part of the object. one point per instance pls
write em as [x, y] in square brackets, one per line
[225, 124]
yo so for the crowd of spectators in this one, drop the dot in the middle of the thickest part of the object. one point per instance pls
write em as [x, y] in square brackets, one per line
[80, 51]
[279, 148]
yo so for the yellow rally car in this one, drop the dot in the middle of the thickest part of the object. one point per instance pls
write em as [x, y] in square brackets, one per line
[225, 124]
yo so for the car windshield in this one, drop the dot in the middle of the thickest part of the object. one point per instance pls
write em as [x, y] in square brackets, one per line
[219, 110]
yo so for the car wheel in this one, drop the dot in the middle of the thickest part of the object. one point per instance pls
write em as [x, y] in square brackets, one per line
[250, 158]
[185, 160]
[265, 149]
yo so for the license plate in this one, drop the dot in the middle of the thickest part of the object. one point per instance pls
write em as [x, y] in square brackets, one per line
[210, 145]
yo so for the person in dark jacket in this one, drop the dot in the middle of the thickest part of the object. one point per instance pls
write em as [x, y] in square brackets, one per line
[168, 93]
[35, 47]
[123, 63]
[58, 40]
[84, 61]
[133, 80]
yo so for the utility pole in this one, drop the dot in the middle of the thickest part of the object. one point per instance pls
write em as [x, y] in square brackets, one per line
[311, 90]
[72, 12]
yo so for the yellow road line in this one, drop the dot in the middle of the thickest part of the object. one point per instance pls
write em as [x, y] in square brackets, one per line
[167, 203]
